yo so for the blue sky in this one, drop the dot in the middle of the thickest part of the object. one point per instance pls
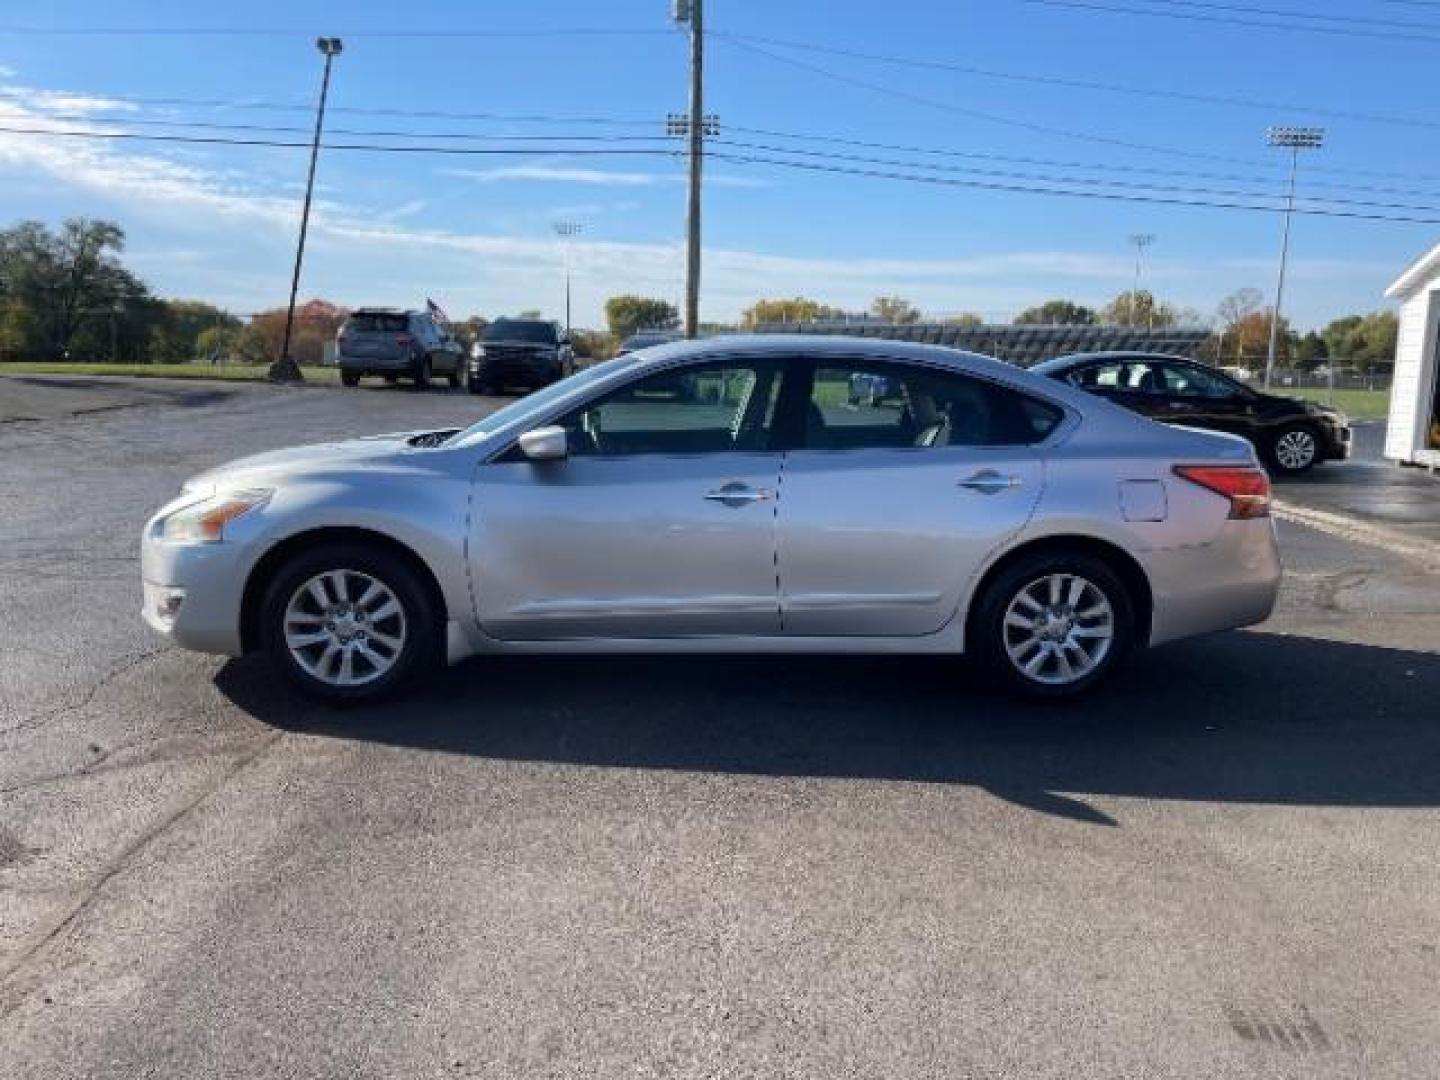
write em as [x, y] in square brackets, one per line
[475, 231]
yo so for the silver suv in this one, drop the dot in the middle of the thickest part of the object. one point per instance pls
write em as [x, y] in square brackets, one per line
[397, 344]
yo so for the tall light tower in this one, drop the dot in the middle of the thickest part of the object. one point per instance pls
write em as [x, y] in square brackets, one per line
[1141, 242]
[565, 230]
[285, 369]
[1293, 139]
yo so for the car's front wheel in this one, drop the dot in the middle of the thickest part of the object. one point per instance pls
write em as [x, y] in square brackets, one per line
[349, 378]
[1054, 624]
[422, 373]
[1294, 449]
[348, 622]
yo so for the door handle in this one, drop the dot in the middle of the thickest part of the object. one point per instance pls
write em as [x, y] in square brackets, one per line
[989, 482]
[738, 494]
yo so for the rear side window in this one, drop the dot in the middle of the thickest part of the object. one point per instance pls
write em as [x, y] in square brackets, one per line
[876, 406]
[372, 321]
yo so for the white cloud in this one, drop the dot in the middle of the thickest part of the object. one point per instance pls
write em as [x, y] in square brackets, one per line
[569, 174]
[7, 72]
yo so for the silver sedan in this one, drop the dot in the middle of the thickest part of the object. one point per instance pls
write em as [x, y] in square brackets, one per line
[730, 495]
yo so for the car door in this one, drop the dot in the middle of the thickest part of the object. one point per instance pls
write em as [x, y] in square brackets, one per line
[659, 523]
[1201, 398]
[890, 504]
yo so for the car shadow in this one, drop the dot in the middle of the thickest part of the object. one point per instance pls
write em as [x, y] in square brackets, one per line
[1243, 717]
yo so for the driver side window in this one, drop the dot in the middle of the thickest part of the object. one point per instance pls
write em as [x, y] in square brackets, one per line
[715, 408]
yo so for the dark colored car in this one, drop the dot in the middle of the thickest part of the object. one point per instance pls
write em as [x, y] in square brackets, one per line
[1291, 435]
[397, 344]
[528, 353]
[644, 339]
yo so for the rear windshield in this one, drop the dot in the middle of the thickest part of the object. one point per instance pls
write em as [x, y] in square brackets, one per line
[644, 341]
[389, 323]
[520, 330]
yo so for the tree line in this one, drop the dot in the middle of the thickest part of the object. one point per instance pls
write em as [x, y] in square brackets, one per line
[66, 294]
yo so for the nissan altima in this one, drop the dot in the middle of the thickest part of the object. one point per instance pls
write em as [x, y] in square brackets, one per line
[730, 495]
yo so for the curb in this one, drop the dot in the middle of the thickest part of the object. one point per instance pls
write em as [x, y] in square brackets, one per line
[1361, 532]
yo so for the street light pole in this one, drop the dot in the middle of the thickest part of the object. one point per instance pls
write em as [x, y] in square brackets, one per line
[1293, 139]
[1141, 242]
[693, 12]
[565, 230]
[285, 369]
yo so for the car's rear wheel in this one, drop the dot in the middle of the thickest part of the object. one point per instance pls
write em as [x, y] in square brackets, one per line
[1054, 624]
[1294, 449]
[422, 373]
[392, 379]
[349, 378]
[348, 622]
[455, 379]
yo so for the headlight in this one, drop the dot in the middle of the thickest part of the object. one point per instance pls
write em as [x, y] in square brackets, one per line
[204, 522]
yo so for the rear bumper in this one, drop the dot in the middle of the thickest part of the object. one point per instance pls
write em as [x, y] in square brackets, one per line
[387, 365]
[1230, 582]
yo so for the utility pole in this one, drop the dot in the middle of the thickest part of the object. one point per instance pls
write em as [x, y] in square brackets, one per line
[1293, 139]
[565, 230]
[693, 12]
[285, 369]
[1141, 242]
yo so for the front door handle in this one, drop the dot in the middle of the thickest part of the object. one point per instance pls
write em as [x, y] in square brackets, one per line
[737, 494]
[989, 482]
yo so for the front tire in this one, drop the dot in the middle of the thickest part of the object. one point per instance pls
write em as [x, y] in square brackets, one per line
[349, 622]
[1054, 624]
[422, 373]
[349, 378]
[455, 379]
[1294, 449]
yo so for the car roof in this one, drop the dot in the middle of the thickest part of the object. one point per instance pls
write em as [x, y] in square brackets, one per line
[1060, 363]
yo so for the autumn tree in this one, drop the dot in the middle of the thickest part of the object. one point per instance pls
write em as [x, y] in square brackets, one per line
[797, 309]
[627, 314]
[316, 322]
[1138, 307]
[894, 309]
[1056, 313]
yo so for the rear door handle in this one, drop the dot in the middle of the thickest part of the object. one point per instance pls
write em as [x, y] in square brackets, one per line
[989, 482]
[738, 494]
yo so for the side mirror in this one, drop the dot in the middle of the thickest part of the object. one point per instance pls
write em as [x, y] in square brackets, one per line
[545, 444]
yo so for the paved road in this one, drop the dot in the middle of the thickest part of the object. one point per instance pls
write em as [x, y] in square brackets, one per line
[1227, 866]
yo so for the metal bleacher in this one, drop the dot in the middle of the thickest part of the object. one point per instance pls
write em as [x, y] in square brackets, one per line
[1022, 345]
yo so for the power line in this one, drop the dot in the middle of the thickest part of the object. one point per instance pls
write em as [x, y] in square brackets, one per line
[945, 181]
[242, 31]
[1195, 16]
[208, 140]
[978, 114]
[1080, 84]
[890, 165]
[1350, 20]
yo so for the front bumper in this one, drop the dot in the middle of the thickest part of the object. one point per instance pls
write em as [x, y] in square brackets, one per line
[193, 592]
[1337, 439]
[504, 370]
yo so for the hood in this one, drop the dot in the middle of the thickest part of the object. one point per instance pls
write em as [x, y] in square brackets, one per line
[301, 460]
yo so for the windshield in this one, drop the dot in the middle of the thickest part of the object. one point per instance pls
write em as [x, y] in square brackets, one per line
[521, 330]
[539, 400]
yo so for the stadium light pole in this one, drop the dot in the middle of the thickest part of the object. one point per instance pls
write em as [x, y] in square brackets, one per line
[285, 369]
[565, 230]
[1141, 242]
[1293, 139]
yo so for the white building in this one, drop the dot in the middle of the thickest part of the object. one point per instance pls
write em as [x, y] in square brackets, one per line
[1413, 434]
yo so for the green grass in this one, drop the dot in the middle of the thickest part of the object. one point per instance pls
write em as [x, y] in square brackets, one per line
[1356, 404]
[227, 373]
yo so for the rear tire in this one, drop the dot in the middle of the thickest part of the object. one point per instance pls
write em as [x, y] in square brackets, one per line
[392, 379]
[377, 629]
[1293, 450]
[349, 378]
[1053, 624]
[422, 373]
[454, 379]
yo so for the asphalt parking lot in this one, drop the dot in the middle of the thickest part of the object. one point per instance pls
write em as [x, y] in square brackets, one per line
[1226, 865]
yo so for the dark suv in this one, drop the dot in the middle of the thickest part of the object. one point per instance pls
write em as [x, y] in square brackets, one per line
[1291, 435]
[520, 352]
[397, 344]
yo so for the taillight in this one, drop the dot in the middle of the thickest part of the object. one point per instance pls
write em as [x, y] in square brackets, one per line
[1247, 487]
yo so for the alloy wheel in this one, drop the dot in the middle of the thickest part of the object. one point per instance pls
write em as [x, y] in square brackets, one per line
[345, 628]
[1058, 629]
[1295, 450]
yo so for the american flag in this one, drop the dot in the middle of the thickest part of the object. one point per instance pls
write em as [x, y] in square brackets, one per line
[436, 311]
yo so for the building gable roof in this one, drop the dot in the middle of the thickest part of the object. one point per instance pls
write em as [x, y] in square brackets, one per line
[1421, 270]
